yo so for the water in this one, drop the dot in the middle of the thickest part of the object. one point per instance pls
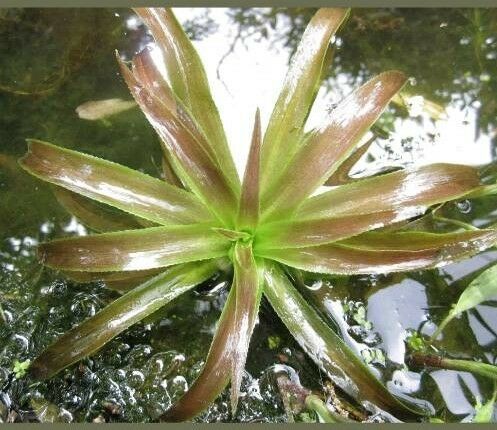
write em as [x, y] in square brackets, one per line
[53, 60]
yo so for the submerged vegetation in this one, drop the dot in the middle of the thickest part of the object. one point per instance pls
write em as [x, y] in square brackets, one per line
[159, 239]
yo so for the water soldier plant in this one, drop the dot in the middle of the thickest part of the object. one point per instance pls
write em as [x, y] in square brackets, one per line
[173, 235]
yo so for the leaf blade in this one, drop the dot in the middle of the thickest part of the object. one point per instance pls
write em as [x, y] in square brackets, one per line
[248, 213]
[194, 164]
[326, 349]
[132, 250]
[248, 295]
[130, 308]
[299, 90]
[393, 252]
[421, 186]
[112, 184]
[189, 81]
[315, 162]
[312, 232]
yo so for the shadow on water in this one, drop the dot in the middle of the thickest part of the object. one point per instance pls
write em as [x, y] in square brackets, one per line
[52, 61]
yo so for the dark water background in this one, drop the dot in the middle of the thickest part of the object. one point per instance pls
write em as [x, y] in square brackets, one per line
[53, 60]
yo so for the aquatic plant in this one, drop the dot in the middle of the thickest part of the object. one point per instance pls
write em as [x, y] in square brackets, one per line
[173, 235]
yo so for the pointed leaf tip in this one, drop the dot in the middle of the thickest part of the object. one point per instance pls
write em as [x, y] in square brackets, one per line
[248, 214]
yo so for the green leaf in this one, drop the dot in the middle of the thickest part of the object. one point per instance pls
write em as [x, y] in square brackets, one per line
[92, 334]
[298, 93]
[325, 347]
[189, 82]
[112, 184]
[485, 412]
[92, 214]
[376, 253]
[132, 250]
[315, 162]
[421, 186]
[248, 295]
[481, 289]
[194, 165]
[248, 213]
[302, 233]
[216, 372]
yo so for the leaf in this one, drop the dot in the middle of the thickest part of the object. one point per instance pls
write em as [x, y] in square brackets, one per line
[189, 82]
[485, 412]
[216, 372]
[297, 233]
[341, 175]
[248, 295]
[315, 162]
[194, 165]
[112, 184]
[92, 334]
[481, 289]
[325, 347]
[248, 214]
[93, 214]
[99, 109]
[420, 186]
[298, 93]
[132, 250]
[376, 253]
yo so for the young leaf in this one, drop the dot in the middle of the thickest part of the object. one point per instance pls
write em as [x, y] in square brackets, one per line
[376, 253]
[248, 214]
[341, 175]
[485, 412]
[301, 233]
[216, 372]
[189, 82]
[194, 165]
[92, 334]
[92, 214]
[481, 289]
[131, 250]
[421, 186]
[315, 162]
[325, 347]
[298, 93]
[112, 184]
[248, 295]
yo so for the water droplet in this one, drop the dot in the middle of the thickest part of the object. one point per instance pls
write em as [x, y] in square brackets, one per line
[464, 206]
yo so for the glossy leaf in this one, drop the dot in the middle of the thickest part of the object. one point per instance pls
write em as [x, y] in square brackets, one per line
[92, 214]
[481, 289]
[146, 72]
[248, 214]
[421, 186]
[92, 334]
[376, 253]
[112, 184]
[325, 347]
[315, 162]
[216, 372]
[302, 233]
[131, 250]
[189, 82]
[298, 93]
[248, 295]
[194, 164]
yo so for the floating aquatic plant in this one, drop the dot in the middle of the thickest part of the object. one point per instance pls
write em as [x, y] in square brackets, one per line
[173, 235]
